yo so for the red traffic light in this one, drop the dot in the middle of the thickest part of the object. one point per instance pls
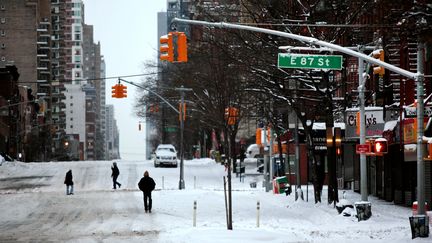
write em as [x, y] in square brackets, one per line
[380, 146]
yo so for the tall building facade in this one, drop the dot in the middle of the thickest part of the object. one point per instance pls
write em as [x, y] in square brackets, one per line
[25, 29]
[112, 134]
[54, 56]
[93, 72]
[75, 107]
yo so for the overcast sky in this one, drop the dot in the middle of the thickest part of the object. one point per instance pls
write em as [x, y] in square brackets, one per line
[127, 31]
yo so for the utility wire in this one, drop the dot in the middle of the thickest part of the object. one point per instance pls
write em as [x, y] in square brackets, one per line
[94, 79]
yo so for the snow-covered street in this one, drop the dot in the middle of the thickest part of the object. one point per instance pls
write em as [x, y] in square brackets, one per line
[34, 207]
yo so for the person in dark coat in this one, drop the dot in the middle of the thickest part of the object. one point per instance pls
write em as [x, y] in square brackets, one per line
[147, 185]
[69, 183]
[114, 175]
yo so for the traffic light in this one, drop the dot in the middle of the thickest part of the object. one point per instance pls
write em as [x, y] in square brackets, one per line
[173, 47]
[380, 146]
[231, 115]
[379, 54]
[166, 48]
[119, 91]
[181, 47]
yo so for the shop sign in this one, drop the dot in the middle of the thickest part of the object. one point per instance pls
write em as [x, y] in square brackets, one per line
[374, 121]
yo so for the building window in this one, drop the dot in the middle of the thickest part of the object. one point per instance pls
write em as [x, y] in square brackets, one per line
[2, 32]
[77, 75]
[71, 118]
[71, 97]
[3, 46]
[3, 20]
[71, 104]
[77, 36]
[2, 7]
[71, 126]
[3, 59]
[71, 112]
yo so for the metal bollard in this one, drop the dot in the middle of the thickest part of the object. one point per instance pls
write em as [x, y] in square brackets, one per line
[194, 213]
[258, 214]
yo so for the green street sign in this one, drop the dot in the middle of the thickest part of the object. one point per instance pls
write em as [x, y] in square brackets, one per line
[287, 60]
[170, 129]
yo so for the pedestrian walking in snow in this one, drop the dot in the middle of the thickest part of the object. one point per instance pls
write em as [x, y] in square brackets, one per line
[147, 185]
[69, 183]
[114, 175]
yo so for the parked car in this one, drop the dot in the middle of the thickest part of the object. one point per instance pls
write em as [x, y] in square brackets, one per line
[165, 154]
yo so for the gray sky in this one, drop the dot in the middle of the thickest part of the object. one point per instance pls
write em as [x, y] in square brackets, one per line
[127, 31]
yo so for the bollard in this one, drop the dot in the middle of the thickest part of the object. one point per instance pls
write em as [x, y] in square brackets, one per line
[194, 182]
[163, 186]
[258, 214]
[194, 213]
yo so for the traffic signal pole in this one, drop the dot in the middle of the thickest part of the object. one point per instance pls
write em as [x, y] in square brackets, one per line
[181, 180]
[363, 163]
[418, 77]
[420, 129]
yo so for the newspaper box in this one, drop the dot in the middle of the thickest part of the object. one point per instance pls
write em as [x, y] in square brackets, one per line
[279, 184]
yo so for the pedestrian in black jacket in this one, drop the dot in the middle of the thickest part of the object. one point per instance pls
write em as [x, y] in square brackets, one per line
[114, 175]
[69, 183]
[147, 185]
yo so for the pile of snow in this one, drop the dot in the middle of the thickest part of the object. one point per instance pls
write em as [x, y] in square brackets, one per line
[35, 208]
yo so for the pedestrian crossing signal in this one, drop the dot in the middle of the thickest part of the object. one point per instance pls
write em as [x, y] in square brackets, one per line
[380, 146]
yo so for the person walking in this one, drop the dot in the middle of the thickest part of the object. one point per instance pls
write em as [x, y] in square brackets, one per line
[115, 173]
[69, 183]
[147, 185]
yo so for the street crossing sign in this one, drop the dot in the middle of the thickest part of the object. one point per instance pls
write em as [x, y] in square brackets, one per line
[288, 60]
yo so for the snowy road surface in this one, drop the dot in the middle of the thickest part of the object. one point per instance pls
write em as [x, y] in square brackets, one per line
[34, 208]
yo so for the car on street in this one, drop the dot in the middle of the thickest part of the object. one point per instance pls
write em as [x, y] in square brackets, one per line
[165, 155]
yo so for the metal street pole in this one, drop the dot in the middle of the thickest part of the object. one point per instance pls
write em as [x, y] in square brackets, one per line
[271, 158]
[266, 161]
[181, 181]
[182, 89]
[363, 165]
[420, 115]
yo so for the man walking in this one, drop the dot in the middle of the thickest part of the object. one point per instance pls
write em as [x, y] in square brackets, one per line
[114, 175]
[147, 185]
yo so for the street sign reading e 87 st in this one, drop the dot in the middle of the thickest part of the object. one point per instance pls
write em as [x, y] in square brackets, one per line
[287, 60]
